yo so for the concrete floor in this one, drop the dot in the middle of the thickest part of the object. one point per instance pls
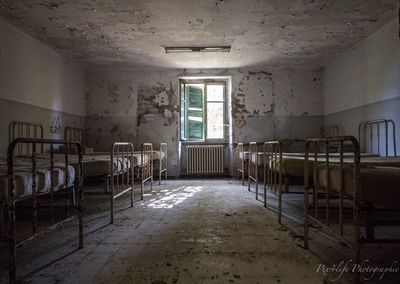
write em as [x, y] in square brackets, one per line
[187, 231]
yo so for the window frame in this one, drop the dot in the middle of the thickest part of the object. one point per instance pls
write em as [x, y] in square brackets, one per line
[205, 82]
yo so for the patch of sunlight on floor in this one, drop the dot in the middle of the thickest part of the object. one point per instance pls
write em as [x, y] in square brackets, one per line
[173, 197]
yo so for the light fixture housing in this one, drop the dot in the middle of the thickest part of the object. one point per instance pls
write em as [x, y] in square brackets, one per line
[190, 49]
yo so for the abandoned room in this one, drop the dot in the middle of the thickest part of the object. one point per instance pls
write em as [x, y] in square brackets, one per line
[184, 141]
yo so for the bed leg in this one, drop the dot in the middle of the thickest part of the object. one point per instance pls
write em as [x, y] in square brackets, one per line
[106, 184]
[370, 227]
[73, 198]
[287, 183]
[160, 172]
[2, 209]
[356, 248]
[141, 189]
[256, 183]
[306, 217]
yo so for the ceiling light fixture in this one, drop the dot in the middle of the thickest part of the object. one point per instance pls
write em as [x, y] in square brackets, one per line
[189, 49]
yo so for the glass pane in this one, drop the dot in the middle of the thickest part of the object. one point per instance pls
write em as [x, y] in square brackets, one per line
[215, 121]
[215, 93]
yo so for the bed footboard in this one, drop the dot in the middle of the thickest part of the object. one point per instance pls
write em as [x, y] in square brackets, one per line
[34, 144]
[273, 173]
[147, 165]
[253, 166]
[163, 161]
[121, 173]
[326, 142]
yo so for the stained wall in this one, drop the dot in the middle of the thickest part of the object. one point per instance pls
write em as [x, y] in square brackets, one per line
[143, 105]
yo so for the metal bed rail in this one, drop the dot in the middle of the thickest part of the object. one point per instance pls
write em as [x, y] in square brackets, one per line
[240, 160]
[34, 142]
[363, 128]
[273, 172]
[147, 165]
[330, 131]
[121, 174]
[22, 129]
[163, 161]
[253, 166]
[326, 142]
[74, 134]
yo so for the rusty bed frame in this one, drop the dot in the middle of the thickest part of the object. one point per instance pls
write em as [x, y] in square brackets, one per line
[330, 131]
[274, 178]
[240, 158]
[355, 244]
[122, 179]
[253, 166]
[163, 164]
[363, 128]
[11, 202]
[370, 224]
[22, 129]
[146, 167]
[75, 134]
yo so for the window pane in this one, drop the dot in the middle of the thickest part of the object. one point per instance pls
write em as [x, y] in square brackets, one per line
[215, 121]
[215, 93]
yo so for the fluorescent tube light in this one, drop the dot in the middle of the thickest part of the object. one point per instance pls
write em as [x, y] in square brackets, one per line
[189, 49]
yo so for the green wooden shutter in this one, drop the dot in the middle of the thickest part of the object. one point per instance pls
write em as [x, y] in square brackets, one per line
[195, 112]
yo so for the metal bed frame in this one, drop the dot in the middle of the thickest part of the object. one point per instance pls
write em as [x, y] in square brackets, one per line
[357, 202]
[330, 131]
[163, 161]
[355, 244]
[369, 125]
[22, 129]
[74, 134]
[253, 166]
[147, 166]
[119, 183]
[272, 152]
[34, 142]
[240, 161]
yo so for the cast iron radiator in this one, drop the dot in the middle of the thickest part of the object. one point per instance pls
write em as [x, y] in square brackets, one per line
[205, 159]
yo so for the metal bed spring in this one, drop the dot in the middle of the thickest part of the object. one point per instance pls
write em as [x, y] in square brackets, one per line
[240, 160]
[13, 245]
[147, 165]
[253, 166]
[22, 129]
[362, 134]
[163, 161]
[273, 175]
[355, 244]
[121, 151]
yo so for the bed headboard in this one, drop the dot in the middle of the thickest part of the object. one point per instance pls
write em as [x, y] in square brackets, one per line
[369, 127]
[330, 131]
[74, 134]
[22, 129]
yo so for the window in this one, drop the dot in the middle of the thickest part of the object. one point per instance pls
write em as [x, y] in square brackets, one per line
[202, 110]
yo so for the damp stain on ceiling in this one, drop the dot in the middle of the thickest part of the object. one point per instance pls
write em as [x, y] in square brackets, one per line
[261, 32]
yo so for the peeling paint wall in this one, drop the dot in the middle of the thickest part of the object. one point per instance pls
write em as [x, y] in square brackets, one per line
[143, 105]
[37, 85]
[276, 104]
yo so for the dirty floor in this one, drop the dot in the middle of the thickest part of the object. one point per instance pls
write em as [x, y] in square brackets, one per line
[187, 231]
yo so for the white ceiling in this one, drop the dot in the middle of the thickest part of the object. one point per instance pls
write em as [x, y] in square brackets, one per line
[269, 32]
